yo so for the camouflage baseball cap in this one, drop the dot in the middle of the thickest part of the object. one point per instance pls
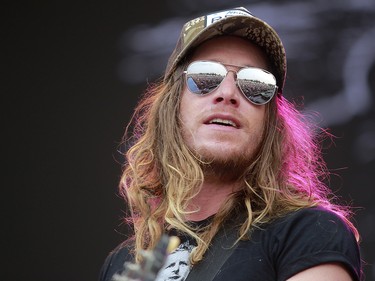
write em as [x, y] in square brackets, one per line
[238, 22]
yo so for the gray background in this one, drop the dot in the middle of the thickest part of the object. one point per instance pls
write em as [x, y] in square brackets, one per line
[71, 75]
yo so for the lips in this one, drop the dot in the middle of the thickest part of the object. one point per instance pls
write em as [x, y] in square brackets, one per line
[223, 121]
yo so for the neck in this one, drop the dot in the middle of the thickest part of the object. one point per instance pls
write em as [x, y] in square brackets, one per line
[213, 193]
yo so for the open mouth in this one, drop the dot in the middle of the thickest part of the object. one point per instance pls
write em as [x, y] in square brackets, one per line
[223, 122]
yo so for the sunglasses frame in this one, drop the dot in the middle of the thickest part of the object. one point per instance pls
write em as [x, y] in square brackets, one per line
[236, 79]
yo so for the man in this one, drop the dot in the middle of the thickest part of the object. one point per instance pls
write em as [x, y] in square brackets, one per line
[220, 159]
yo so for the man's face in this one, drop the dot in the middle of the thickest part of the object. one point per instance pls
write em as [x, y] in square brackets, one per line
[217, 142]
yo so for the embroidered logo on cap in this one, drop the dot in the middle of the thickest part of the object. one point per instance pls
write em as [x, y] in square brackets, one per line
[212, 18]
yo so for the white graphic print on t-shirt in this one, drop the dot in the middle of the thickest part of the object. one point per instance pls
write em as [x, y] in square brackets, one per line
[177, 265]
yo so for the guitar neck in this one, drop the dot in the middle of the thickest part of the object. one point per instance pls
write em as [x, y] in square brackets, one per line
[152, 262]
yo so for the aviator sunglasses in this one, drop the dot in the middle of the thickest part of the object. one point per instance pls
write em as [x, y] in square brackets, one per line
[256, 84]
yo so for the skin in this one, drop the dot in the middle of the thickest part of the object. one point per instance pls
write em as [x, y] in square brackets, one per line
[323, 272]
[229, 149]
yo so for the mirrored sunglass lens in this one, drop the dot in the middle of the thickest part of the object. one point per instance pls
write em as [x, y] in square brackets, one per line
[204, 77]
[256, 84]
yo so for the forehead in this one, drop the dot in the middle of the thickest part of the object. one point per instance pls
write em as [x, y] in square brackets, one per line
[231, 50]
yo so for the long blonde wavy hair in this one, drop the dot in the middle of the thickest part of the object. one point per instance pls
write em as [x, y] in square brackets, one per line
[161, 174]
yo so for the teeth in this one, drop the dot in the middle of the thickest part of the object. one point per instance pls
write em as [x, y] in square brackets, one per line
[223, 122]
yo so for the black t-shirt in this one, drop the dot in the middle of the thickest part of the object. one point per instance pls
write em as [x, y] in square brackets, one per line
[276, 251]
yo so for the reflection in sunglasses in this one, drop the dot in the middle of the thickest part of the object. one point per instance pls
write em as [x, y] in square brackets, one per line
[257, 85]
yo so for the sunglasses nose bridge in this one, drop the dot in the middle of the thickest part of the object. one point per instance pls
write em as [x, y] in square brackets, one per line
[227, 84]
[234, 74]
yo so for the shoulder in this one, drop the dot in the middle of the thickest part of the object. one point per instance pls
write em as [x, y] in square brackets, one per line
[313, 222]
[318, 218]
[318, 229]
[114, 262]
[291, 244]
[313, 236]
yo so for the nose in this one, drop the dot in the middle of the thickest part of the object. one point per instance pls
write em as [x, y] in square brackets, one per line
[228, 91]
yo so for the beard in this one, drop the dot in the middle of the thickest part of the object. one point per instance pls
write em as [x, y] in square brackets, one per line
[226, 165]
[223, 157]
